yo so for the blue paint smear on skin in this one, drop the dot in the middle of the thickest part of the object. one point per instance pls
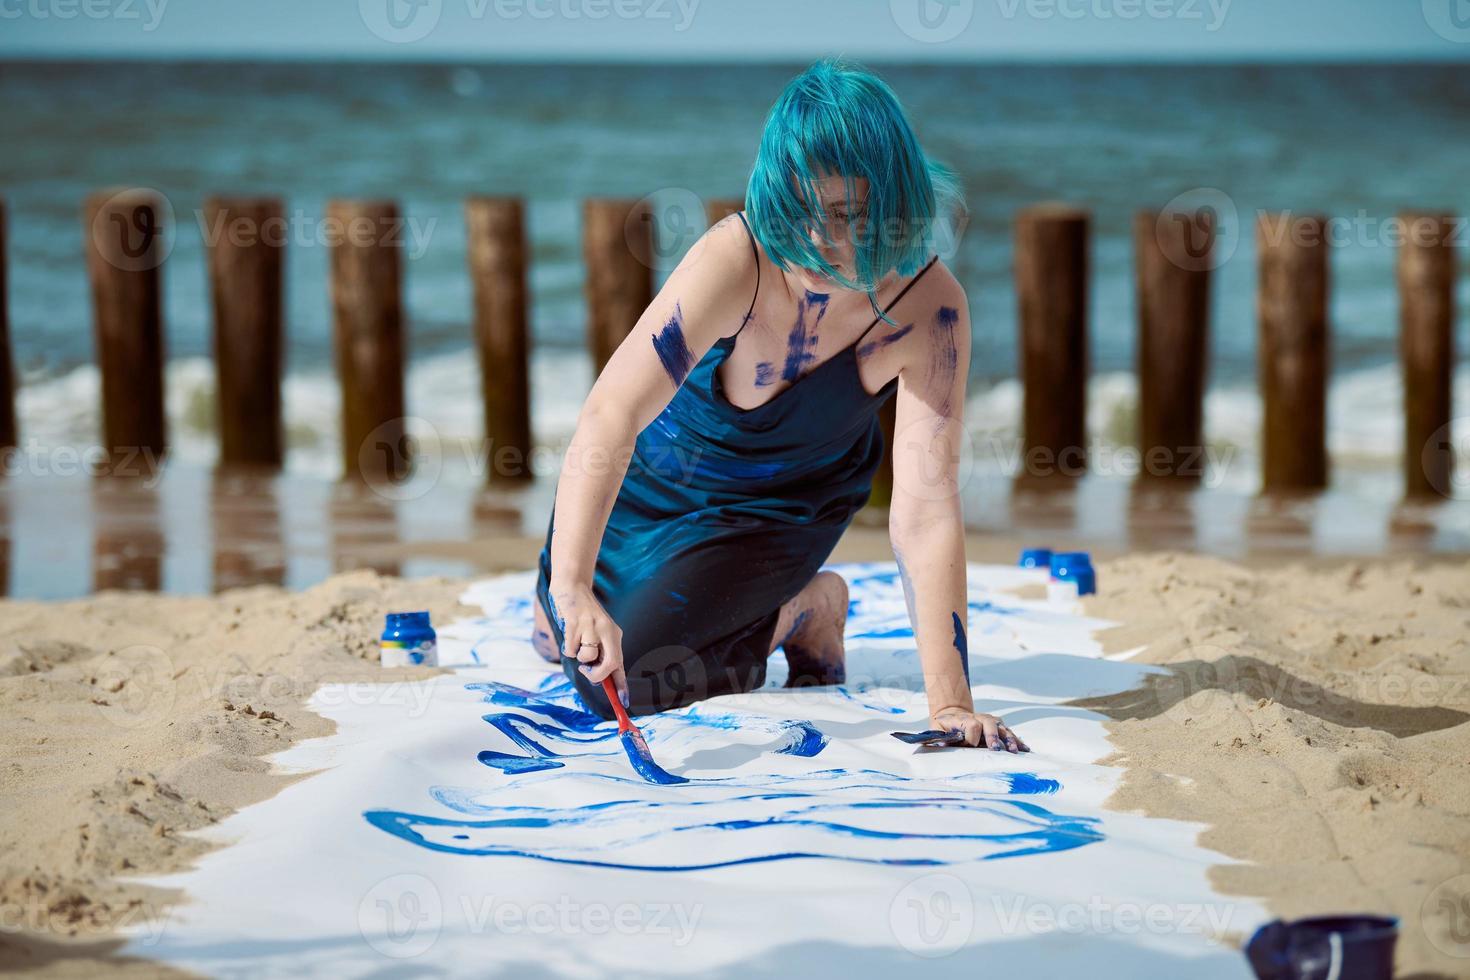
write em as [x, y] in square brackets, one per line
[673, 352]
[802, 341]
[944, 355]
[962, 644]
[765, 374]
[873, 345]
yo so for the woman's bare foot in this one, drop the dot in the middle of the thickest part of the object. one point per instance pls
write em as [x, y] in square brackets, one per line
[809, 630]
[542, 638]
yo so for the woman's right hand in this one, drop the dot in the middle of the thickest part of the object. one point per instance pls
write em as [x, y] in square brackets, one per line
[590, 636]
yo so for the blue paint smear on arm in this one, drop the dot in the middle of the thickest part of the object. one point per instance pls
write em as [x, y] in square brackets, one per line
[673, 352]
[962, 644]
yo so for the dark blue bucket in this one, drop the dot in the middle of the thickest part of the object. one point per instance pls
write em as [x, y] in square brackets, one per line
[1329, 947]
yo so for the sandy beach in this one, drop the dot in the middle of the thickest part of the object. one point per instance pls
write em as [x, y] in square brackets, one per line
[1313, 718]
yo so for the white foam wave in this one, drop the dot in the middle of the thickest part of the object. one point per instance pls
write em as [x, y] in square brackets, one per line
[1365, 415]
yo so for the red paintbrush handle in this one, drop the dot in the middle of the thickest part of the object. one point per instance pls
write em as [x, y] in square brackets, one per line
[624, 722]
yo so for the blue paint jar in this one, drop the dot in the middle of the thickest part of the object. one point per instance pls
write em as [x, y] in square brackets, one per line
[408, 640]
[1074, 568]
[1035, 558]
[1348, 947]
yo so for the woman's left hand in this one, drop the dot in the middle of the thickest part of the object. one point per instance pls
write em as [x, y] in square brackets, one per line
[980, 729]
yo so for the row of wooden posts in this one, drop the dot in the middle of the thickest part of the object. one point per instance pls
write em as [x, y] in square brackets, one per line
[1173, 274]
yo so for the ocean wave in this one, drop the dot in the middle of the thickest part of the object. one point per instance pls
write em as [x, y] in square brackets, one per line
[1365, 414]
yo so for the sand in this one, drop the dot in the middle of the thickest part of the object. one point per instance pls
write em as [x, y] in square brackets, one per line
[1313, 718]
[1317, 721]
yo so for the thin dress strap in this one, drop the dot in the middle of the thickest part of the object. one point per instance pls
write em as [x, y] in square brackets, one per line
[894, 302]
[756, 253]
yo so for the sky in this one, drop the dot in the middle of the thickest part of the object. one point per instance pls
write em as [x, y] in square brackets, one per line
[740, 30]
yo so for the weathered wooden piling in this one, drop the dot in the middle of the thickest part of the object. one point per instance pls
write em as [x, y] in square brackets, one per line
[617, 241]
[1426, 281]
[1292, 350]
[367, 310]
[497, 260]
[1051, 292]
[245, 239]
[125, 253]
[1172, 283]
[8, 434]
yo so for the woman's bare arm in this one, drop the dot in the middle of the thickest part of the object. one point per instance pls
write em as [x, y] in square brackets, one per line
[703, 299]
[926, 525]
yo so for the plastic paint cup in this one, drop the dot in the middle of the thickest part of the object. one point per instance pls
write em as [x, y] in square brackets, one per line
[1071, 576]
[409, 641]
[1035, 558]
[1330, 947]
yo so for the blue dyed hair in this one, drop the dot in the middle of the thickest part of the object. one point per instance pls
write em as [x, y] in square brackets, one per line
[840, 119]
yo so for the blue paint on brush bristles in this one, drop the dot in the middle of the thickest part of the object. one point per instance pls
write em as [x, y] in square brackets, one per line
[642, 760]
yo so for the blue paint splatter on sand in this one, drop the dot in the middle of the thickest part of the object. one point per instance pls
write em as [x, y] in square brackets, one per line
[673, 352]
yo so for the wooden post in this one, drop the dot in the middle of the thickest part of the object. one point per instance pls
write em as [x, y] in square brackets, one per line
[1051, 294]
[1426, 276]
[719, 208]
[368, 335]
[617, 239]
[1172, 276]
[1291, 305]
[125, 250]
[8, 435]
[497, 259]
[245, 239]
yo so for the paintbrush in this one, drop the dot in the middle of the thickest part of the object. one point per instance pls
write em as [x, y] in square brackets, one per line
[633, 741]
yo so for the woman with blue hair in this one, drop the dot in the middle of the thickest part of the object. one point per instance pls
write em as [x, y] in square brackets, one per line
[734, 433]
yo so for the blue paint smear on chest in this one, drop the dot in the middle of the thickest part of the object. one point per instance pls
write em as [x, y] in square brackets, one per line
[801, 343]
[873, 345]
[765, 374]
